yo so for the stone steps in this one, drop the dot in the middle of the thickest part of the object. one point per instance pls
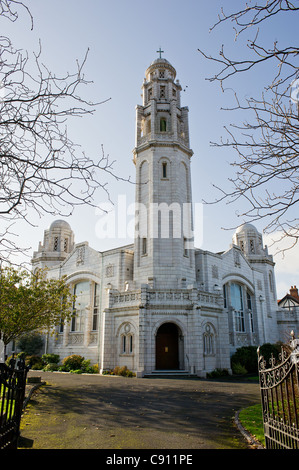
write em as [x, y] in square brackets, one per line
[168, 373]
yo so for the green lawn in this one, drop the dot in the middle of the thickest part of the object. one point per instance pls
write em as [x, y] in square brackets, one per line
[251, 419]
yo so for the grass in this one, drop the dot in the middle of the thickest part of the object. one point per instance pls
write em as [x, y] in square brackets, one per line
[251, 419]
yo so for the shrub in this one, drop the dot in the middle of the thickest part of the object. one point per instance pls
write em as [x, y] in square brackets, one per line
[86, 367]
[267, 349]
[218, 373]
[50, 358]
[35, 362]
[238, 369]
[89, 369]
[123, 371]
[17, 357]
[71, 363]
[50, 367]
[21, 355]
[129, 373]
[116, 370]
[247, 357]
[95, 368]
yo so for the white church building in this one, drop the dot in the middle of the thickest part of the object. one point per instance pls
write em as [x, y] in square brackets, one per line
[160, 303]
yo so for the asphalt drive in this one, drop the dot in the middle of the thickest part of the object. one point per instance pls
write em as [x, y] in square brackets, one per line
[107, 412]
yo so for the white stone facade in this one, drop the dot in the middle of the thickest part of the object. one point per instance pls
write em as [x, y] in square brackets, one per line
[160, 303]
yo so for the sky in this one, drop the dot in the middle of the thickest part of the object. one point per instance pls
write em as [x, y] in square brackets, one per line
[122, 37]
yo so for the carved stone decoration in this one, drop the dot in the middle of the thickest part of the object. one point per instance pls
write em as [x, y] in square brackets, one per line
[80, 255]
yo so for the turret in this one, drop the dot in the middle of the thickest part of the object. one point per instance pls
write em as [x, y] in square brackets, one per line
[58, 243]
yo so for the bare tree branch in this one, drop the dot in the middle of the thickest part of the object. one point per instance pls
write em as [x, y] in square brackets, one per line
[267, 144]
[42, 169]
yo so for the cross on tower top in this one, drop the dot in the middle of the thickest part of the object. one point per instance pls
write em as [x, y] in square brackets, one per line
[160, 52]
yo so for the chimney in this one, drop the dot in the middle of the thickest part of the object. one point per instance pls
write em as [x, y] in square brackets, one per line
[294, 292]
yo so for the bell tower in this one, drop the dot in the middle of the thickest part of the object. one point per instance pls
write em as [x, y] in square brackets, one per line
[164, 255]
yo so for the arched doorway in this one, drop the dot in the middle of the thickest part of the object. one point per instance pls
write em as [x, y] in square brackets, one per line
[167, 347]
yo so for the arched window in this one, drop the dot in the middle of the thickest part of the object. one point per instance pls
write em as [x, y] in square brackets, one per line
[271, 281]
[163, 124]
[82, 293]
[130, 344]
[239, 299]
[208, 341]
[55, 246]
[249, 306]
[126, 346]
[224, 296]
[144, 246]
[123, 344]
[237, 304]
[164, 170]
[96, 303]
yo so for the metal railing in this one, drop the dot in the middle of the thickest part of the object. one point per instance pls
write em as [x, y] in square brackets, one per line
[280, 398]
[12, 393]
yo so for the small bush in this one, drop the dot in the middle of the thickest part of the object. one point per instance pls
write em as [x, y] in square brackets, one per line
[247, 357]
[116, 370]
[218, 373]
[123, 371]
[50, 358]
[35, 362]
[51, 367]
[89, 369]
[73, 362]
[268, 349]
[21, 355]
[129, 373]
[238, 369]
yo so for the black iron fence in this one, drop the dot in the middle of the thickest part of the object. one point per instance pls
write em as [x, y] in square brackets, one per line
[12, 392]
[280, 398]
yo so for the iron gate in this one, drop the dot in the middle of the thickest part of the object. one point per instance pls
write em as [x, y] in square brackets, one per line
[12, 392]
[280, 398]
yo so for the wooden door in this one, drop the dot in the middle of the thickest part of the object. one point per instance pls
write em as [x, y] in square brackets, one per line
[167, 347]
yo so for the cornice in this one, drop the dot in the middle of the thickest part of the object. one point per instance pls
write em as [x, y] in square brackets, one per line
[157, 143]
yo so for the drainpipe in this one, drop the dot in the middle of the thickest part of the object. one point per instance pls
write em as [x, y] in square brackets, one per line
[102, 314]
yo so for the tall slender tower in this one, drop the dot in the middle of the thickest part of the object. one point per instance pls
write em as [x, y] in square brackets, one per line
[164, 255]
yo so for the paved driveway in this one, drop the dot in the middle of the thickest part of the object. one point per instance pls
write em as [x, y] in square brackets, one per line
[94, 412]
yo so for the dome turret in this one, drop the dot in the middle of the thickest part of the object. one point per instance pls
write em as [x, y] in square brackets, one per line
[58, 243]
[248, 239]
[160, 68]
